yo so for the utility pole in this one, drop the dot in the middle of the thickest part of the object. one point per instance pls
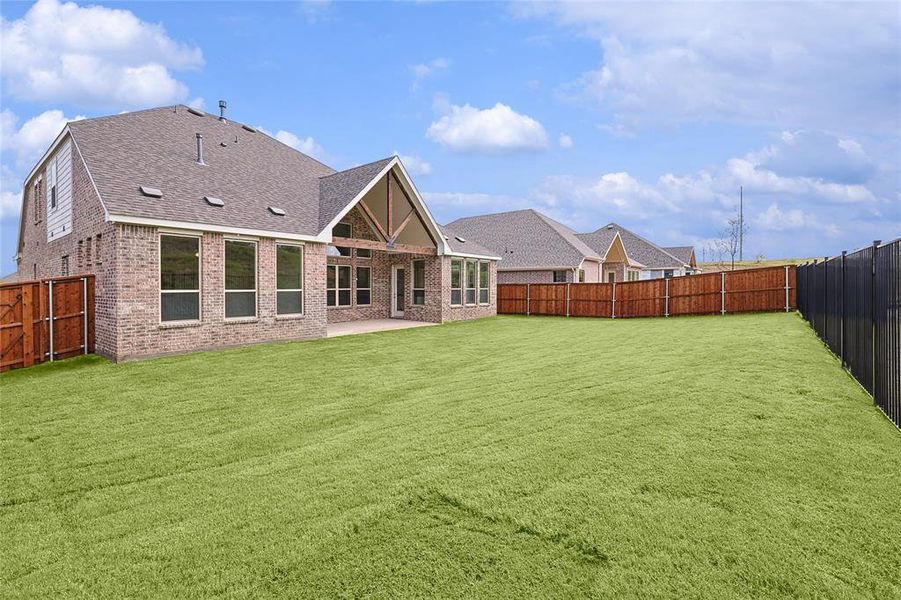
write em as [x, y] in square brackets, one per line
[741, 224]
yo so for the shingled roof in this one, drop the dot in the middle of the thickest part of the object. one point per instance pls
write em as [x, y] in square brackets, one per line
[248, 170]
[683, 253]
[641, 250]
[525, 239]
[461, 245]
[336, 190]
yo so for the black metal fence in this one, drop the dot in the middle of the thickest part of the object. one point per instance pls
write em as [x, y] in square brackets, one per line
[853, 302]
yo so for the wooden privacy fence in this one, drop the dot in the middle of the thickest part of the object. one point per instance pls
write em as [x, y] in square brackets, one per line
[46, 320]
[749, 290]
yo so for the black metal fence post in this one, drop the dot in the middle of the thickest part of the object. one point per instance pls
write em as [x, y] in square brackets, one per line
[842, 325]
[873, 311]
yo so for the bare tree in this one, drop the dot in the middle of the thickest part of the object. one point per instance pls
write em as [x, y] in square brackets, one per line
[731, 241]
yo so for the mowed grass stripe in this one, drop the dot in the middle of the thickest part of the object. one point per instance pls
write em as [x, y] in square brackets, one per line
[540, 457]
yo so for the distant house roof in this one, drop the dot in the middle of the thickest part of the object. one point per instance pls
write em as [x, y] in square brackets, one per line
[641, 250]
[684, 253]
[525, 239]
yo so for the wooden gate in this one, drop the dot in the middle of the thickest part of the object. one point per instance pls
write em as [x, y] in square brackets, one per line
[46, 320]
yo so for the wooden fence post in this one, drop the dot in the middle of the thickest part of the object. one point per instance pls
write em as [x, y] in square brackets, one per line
[528, 300]
[84, 298]
[723, 293]
[613, 309]
[567, 299]
[666, 298]
[27, 325]
[786, 288]
[50, 293]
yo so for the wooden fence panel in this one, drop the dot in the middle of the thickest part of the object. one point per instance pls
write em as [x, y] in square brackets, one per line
[695, 294]
[512, 299]
[641, 298]
[32, 326]
[547, 299]
[591, 300]
[757, 290]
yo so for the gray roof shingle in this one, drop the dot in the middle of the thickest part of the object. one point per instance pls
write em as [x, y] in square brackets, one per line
[599, 240]
[683, 253]
[467, 246]
[643, 251]
[525, 239]
[337, 189]
[249, 171]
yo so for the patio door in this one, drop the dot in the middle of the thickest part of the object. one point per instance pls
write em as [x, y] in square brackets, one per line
[398, 291]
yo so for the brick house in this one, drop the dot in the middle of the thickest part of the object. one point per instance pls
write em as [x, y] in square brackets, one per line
[653, 261]
[537, 249]
[206, 233]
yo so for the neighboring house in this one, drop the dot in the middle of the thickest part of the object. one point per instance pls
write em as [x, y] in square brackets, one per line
[655, 261]
[687, 255]
[205, 233]
[537, 249]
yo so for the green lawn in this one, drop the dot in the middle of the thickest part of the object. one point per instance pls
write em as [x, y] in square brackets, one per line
[509, 457]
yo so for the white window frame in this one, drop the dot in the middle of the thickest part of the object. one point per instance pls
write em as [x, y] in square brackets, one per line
[336, 289]
[462, 281]
[303, 274]
[413, 288]
[554, 276]
[256, 279]
[357, 253]
[356, 287]
[475, 283]
[52, 197]
[580, 276]
[159, 273]
[487, 287]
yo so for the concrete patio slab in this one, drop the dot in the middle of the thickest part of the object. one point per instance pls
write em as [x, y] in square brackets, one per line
[371, 325]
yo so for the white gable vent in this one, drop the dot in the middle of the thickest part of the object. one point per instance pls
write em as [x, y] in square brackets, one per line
[213, 201]
[459, 239]
[277, 211]
[151, 192]
[194, 111]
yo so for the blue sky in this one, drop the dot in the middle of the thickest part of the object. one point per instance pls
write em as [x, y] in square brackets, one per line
[650, 115]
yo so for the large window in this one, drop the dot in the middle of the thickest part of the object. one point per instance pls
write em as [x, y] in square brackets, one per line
[470, 282]
[343, 230]
[289, 279]
[337, 285]
[559, 276]
[581, 275]
[179, 278]
[419, 282]
[364, 286]
[240, 279]
[364, 253]
[484, 282]
[456, 282]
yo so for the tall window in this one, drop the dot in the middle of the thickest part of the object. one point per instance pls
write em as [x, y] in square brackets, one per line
[289, 279]
[240, 279]
[179, 278]
[419, 282]
[364, 253]
[559, 276]
[456, 282]
[337, 285]
[36, 200]
[98, 249]
[343, 230]
[364, 286]
[52, 184]
[484, 282]
[581, 275]
[470, 282]
[64, 268]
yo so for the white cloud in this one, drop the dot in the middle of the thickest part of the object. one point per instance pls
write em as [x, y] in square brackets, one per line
[423, 70]
[306, 145]
[315, 11]
[775, 219]
[414, 164]
[198, 103]
[92, 56]
[740, 62]
[10, 194]
[498, 129]
[565, 141]
[32, 139]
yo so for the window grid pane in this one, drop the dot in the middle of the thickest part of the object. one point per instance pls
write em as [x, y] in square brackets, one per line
[240, 265]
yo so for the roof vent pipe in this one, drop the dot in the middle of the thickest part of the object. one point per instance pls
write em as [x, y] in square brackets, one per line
[199, 149]
[222, 106]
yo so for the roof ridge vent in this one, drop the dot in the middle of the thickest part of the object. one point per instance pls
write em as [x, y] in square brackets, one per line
[151, 192]
[213, 201]
[249, 128]
[279, 212]
[196, 111]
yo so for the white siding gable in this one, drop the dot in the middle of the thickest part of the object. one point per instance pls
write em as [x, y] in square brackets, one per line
[58, 175]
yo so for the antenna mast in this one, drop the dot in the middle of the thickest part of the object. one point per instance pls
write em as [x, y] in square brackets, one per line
[741, 223]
